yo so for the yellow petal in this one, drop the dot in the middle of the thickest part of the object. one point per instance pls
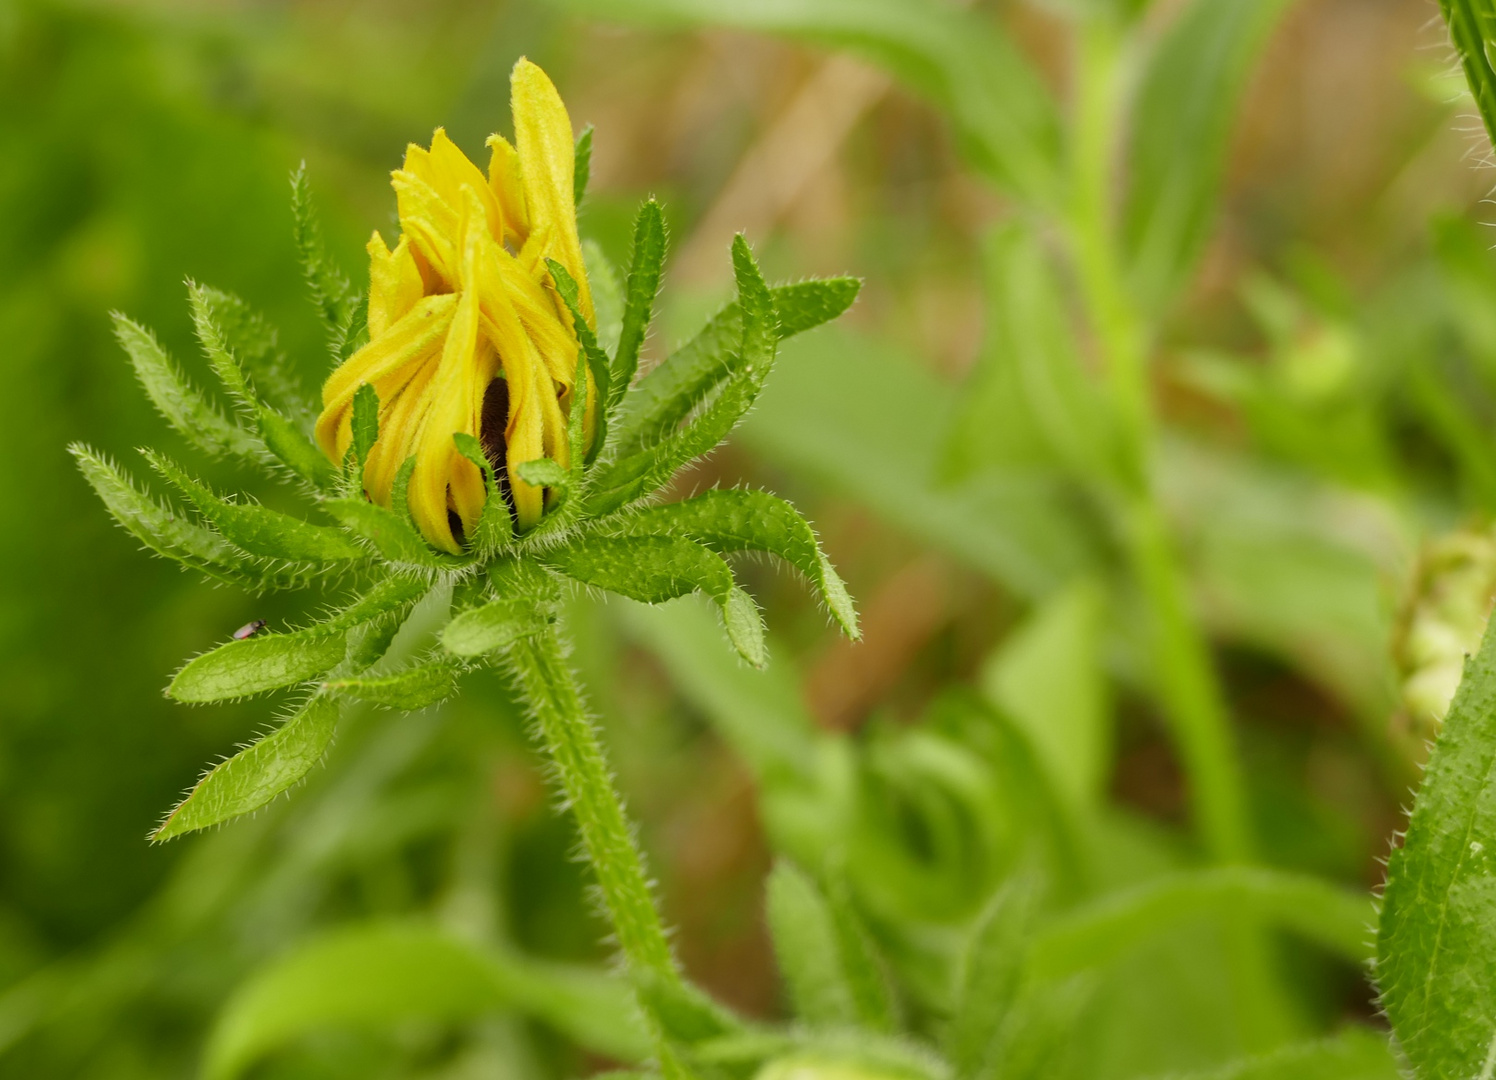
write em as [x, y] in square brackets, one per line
[543, 138]
[428, 221]
[406, 342]
[394, 284]
[455, 174]
[509, 189]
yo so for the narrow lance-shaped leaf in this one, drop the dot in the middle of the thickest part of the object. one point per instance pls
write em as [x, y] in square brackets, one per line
[639, 475]
[258, 529]
[592, 353]
[654, 569]
[392, 535]
[1180, 133]
[728, 521]
[989, 976]
[1436, 948]
[495, 526]
[254, 341]
[170, 536]
[279, 434]
[365, 423]
[806, 946]
[581, 170]
[335, 298]
[271, 661]
[643, 283]
[671, 391]
[254, 776]
[182, 404]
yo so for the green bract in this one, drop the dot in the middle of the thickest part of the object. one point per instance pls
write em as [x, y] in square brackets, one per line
[596, 531]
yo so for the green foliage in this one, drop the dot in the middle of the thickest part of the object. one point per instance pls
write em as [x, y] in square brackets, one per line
[258, 773]
[582, 166]
[645, 269]
[1435, 949]
[382, 973]
[1472, 28]
[1180, 135]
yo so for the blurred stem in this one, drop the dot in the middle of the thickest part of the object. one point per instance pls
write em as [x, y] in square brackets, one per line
[550, 688]
[1185, 677]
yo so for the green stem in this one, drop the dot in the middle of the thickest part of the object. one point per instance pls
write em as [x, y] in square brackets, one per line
[550, 688]
[1185, 678]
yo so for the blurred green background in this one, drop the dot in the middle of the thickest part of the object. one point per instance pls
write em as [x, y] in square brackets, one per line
[1327, 383]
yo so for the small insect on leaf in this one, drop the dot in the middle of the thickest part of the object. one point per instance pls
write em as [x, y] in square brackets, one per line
[249, 629]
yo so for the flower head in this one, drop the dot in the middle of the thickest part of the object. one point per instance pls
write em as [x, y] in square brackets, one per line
[466, 331]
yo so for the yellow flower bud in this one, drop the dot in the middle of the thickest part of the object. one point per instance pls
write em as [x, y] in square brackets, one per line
[466, 331]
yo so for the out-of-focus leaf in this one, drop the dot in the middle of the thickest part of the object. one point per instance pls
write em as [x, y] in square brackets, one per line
[607, 295]
[1030, 400]
[255, 342]
[687, 1014]
[379, 974]
[1180, 133]
[727, 521]
[581, 169]
[334, 296]
[807, 948]
[1436, 947]
[1048, 679]
[654, 569]
[963, 62]
[666, 395]
[1092, 936]
[257, 774]
[1353, 1054]
[870, 425]
[258, 529]
[990, 975]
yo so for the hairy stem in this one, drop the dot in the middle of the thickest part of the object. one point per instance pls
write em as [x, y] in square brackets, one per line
[550, 689]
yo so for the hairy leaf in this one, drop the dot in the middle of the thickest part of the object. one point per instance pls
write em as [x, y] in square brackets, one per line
[667, 394]
[168, 535]
[254, 776]
[254, 665]
[495, 526]
[728, 521]
[254, 341]
[392, 536]
[334, 296]
[654, 569]
[1472, 29]
[491, 627]
[365, 422]
[183, 406]
[1180, 134]
[1436, 947]
[409, 689]
[808, 951]
[258, 529]
[643, 283]
[581, 170]
[379, 974]
[597, 360]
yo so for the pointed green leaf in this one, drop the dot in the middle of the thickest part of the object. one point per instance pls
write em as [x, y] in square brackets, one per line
[365, 422]
[491, 627]
[335, 298]
[607, 295]
[1436, 948]
[258, 529]
[581, 170]
[252, 339]
[380, 974]
[591, 351]
[989, 977]
[254, 776]
[409, 689]
[806, 946]
[865, 969]
[395, 539]
[543, 472]
[646, 471]
[643, 283]
[252, 666]
[654, 569]
[495, 526]
[727, 521]
[183, 406]
[295, 450]
[1180, 133]
[686, 1014]
[271, 661]
[1472, 29]
[168, 535]
[671, 391]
